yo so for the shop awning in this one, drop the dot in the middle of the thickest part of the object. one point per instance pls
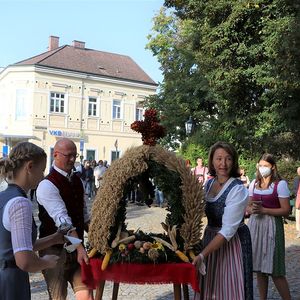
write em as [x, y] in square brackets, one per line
[17, 136]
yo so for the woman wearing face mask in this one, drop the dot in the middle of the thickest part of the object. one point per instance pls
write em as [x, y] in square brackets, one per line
[269, 202]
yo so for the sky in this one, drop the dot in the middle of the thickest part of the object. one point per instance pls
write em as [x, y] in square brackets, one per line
[117, 26]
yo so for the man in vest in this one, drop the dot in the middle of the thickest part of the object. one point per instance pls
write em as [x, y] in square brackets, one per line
[61, 200]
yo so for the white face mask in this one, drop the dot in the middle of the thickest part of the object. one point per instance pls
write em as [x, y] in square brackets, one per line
[264, 171]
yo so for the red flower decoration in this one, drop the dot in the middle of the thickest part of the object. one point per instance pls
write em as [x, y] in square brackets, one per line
[150, 128]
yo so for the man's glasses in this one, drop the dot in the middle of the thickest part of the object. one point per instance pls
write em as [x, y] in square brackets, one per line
[72, 155]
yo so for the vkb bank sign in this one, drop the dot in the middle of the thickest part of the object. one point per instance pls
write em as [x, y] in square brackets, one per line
[67, 134]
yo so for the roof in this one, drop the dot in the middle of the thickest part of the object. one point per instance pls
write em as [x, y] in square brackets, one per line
[92, 62]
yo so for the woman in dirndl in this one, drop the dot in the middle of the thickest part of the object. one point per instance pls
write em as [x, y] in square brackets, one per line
[227, 255]
[268, 204]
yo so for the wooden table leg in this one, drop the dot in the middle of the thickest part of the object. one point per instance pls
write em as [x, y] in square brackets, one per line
[115, 291]
[99, 290]
[185, 289]
[177, 291]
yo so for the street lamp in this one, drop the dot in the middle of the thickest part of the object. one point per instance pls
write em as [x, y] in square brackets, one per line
[189, 126]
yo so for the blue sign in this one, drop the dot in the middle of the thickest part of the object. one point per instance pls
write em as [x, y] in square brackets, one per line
[61, 133]
[5, 150]
[81, 145]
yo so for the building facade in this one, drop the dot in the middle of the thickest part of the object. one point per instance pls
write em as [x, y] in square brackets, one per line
[89, 96]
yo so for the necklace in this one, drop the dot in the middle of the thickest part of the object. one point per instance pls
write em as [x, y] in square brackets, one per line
[221, 183]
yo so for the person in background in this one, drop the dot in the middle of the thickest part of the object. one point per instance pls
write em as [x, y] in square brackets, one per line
[61, 201]
[244, 178]
[188, 164]
[226, 253]
[105, 164]
[88, 179]
[296, 193]
[98, 174]
[268, 204]
[25, 167]
[200, 171]
[159, 197]
[93, 166]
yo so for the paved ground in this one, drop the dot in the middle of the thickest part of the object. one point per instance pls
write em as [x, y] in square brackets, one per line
[148, 219]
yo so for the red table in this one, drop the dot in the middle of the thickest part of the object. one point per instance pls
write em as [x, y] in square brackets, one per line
[176, 273]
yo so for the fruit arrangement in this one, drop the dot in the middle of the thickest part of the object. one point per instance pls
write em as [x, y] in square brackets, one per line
[139, 247]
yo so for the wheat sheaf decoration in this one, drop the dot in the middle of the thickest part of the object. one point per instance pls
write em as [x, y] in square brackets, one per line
[133, 163]
[107, 225]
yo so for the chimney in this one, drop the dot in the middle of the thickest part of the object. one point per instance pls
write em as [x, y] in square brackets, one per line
[78, 44]
[53, 42]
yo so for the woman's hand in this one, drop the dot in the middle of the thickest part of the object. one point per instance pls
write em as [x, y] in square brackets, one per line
[257, 208]
[198, 262]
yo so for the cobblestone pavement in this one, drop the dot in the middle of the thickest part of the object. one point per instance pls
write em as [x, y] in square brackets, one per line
[148, 219]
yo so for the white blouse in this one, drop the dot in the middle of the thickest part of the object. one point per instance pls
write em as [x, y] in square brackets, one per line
[17, 218]
[235, 206]
[282, 189]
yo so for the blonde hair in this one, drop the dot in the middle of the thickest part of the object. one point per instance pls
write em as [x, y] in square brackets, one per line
[19, 154]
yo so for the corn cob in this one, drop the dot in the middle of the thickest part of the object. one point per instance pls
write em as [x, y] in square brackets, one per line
[106, 260]
[92, 253]
[127, 239]
[192, 254]
[182, 256]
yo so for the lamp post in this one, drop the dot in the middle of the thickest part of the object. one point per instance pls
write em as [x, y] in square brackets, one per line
[189, 126]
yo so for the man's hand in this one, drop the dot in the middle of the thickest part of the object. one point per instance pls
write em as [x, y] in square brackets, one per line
[65, 228]
[82, 255]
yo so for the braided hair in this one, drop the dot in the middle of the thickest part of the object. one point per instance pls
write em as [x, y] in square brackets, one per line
[20, 154]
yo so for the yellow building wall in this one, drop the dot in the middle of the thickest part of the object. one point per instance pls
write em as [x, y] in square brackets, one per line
[98, 133]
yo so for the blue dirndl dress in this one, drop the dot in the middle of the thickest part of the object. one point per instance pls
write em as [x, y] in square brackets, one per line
[228, 269]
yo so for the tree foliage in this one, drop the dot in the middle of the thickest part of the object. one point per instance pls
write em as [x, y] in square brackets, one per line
[235, 67]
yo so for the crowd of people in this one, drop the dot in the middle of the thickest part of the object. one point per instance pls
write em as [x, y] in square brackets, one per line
[232, 248]
[91, 173]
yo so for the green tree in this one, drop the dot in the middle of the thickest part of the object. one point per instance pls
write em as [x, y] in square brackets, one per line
[184, 91]
[246, 69]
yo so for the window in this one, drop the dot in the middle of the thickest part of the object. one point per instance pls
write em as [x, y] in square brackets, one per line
[116, 109]
[115, 155]
[57, 102]
[92, 109]
[90, 155]
[21, 105]
[139, 112]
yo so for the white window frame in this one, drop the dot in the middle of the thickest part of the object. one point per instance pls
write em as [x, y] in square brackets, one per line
[21, 105]
[119, 112]
[95, 106]
[60, 100]
[116, 152]
[139, 113]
